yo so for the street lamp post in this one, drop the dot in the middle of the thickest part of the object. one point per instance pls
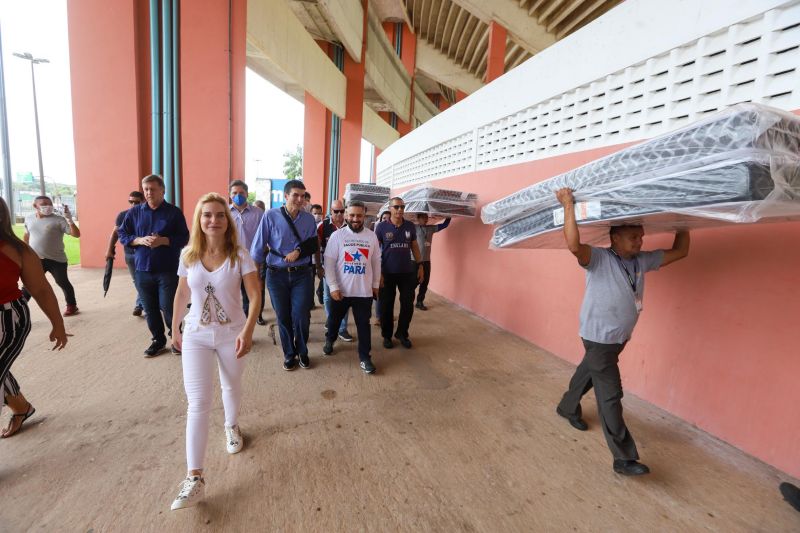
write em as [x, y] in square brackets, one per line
[35, 61]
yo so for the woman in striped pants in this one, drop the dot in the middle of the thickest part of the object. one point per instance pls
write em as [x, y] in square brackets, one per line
[19, 262]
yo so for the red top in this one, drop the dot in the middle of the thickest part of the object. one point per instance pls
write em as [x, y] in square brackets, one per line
[9, 278]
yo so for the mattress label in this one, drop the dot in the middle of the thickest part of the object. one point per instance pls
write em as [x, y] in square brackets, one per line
[583, 210]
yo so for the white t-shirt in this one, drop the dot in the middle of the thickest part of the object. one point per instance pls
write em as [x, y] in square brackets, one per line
[216, 296]
[353, 262]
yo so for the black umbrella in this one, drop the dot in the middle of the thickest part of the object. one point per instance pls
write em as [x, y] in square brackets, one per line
[107, 275]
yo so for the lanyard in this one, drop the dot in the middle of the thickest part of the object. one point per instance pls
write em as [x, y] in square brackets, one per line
[631, 280]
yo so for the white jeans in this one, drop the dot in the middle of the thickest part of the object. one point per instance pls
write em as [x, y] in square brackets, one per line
[202, 345]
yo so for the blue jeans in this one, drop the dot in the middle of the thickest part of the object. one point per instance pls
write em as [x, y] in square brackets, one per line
[291, 295]
[326, 298]
[157, 291]
[130, 261]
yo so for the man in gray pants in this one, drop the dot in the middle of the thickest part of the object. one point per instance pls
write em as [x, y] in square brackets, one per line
[611, 306]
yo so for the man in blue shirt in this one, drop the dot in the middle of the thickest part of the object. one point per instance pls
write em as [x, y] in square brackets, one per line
[157, 231]
[398, 239]
[286, 239]
[247, 218]
[134, 198]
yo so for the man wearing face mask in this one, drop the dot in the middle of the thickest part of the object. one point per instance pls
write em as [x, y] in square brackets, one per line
[134, 199]
[247, 218]
[353, 256]
[324, 231]
[44, 232]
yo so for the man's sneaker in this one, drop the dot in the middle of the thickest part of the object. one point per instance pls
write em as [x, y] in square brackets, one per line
[387, 343]
[155, 349]
[290, 364]
[328, 348]
[345, 336]
[137, 311]
[233, 439]
[405, 342]
[629, 467]
[305, 362]
[175, 350]
[192, 490]
[367, 367]
[421, 306]
[71, 310]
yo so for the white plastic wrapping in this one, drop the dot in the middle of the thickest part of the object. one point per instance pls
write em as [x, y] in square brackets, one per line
[437, 203]
[741, 165]
[373, 196]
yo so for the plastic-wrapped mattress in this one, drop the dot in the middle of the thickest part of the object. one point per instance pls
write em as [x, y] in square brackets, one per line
[437, 203]
[373, 196]
[738, 166]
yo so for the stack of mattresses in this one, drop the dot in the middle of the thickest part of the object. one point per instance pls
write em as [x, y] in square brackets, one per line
[437, 203]
[741, 165]
[373, 196]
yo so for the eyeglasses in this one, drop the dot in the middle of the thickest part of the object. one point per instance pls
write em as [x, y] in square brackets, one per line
[133, 202]
[338, 211]
[398, 207]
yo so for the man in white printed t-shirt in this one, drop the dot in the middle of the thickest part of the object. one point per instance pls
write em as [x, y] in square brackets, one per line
[353, 273]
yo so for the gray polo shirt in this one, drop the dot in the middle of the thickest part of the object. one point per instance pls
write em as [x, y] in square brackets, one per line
[47, 236]
[608, 313]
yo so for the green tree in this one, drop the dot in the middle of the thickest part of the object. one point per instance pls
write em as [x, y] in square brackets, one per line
[293, 164]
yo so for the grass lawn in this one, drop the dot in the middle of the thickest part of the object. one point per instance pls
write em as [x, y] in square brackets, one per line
[71, 245]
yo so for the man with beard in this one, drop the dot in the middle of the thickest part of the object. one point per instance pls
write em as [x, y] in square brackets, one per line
[353, 259]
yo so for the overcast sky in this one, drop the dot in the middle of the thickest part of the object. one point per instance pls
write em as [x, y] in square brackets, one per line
[274, 121]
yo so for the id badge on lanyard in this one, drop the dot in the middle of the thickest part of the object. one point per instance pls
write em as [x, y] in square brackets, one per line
[638, 298]
[632, 280]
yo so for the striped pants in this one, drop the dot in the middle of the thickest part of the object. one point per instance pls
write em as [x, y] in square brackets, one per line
[15, 325]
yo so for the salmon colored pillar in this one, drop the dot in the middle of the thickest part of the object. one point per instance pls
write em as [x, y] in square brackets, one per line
[439, 101]
[496, 54]
[316, 144]
[350, 151]
[460, 95]
[212, 108]
[106, 114]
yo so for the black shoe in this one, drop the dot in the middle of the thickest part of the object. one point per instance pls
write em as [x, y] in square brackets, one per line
[421, 306]
[175, 351]
[328, 348]
[387, 343]
[305, 362]
[137, 311]
[574, 421]
[791, 494]
[367, 366]
[629, 467]
[405, 342]
[155, 349]
[345, 336]
[260, 321]
[290, 364]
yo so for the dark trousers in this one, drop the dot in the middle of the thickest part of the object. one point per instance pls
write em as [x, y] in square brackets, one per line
[321, 291]
[423, 288]
[15, 323]
[291, 299]
[130, 261]
[599, 369]
[262, 273]
[59, 272]
[362, 311]
[405, 285]
[157, 290]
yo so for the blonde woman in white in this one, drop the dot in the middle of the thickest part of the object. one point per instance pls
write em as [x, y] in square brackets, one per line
[211, 270]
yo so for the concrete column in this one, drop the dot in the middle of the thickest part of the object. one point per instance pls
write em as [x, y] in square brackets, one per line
[496, 53]
[316, 143]
[439, 101]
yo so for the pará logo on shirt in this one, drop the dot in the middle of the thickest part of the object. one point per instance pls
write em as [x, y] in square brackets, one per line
[355, 262]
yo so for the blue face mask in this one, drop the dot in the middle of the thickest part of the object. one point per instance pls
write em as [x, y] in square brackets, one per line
[240, 199]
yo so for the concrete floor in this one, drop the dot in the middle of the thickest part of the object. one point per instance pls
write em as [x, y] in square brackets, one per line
[457, 434]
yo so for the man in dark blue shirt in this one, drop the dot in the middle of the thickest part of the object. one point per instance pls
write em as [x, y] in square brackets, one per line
[287, 247]
[134, 198]
[398, 239]
[157, 231]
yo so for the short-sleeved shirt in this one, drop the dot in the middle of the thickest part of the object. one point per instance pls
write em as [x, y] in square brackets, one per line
[47, 236]
[609, 314]
[396, 242]
[216, 296]
[129, 250]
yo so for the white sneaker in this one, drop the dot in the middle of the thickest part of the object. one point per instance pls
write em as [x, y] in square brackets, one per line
[233, 439]
[192, 490]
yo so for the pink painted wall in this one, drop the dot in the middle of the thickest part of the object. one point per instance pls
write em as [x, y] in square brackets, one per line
[717, 341]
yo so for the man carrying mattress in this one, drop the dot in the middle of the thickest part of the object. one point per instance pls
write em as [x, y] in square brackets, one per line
[611, 306]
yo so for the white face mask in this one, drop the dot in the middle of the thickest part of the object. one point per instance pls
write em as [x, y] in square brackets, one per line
[46, 210]
[318, 218]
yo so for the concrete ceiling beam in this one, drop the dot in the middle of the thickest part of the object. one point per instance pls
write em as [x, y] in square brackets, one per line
[438, 67]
